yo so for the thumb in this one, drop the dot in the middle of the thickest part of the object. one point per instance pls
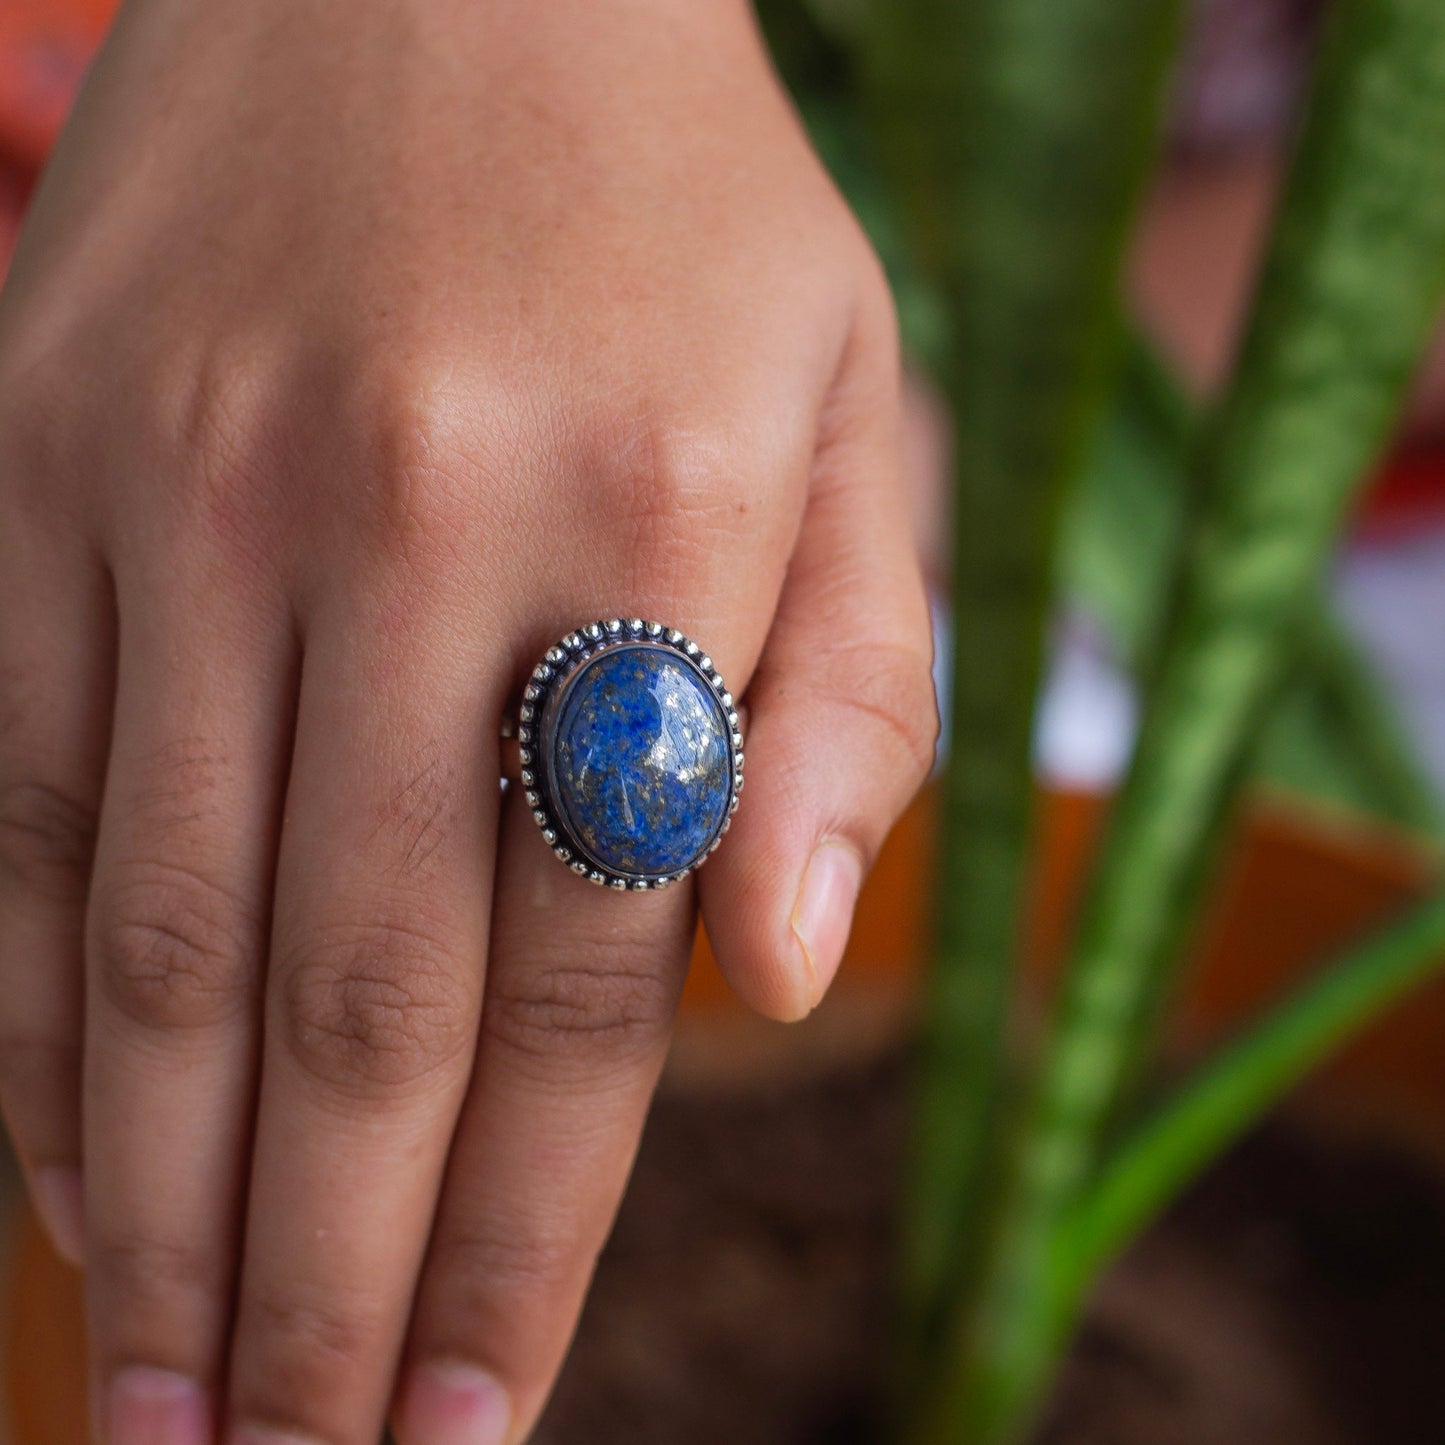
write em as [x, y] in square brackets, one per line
[842, 717]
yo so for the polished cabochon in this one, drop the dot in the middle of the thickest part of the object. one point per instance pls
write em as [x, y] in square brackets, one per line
[631, 753]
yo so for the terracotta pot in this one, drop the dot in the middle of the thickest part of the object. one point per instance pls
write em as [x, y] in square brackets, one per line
[1295, 889]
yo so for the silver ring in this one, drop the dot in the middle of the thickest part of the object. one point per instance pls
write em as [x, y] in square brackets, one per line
[631, 753]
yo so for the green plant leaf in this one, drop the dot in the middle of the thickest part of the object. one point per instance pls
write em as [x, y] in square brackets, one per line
[1335, 744]
[1234, 1090]
[1019, 134]
[1332, 739]
[1352, 286]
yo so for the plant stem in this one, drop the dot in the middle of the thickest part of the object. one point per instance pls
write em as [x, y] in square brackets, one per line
[1352, 285]
[1234, 1090]
[1022, 131]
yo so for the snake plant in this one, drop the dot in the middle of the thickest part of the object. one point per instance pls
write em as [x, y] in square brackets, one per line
[1018, 134]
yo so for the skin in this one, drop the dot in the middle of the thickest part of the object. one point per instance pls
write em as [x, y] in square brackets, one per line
[351, 355]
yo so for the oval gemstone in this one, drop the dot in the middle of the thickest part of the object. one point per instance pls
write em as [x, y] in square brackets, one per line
[641, 763]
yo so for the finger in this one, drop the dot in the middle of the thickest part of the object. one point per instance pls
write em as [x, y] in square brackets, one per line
[176, 947]
[842, 719]
[378, 950]
[581, 992]
[56, 645]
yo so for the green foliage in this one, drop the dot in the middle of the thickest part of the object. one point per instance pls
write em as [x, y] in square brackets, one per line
[1153, 1164]
[1016, 135]
[989, 115]
[1352, 284]
[1330, 739]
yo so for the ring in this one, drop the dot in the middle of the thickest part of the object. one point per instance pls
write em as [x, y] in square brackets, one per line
[631, 753]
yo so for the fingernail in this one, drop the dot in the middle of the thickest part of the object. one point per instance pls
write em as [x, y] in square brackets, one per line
[453, 1404]
[823, 913]
[156, 1407]
[59, 1203]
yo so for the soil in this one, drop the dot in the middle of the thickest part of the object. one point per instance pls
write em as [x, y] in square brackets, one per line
[1295, 1297]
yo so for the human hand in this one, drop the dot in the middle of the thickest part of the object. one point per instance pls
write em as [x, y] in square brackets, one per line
[351, 356]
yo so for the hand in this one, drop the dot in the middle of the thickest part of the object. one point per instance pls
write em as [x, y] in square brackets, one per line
[351, 356]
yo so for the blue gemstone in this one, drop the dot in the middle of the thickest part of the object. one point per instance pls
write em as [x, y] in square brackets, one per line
[641, 762]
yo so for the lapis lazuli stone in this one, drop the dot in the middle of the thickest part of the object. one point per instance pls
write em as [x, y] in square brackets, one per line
[641, 761]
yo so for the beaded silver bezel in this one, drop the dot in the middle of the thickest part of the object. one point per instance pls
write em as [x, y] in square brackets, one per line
[536, 717]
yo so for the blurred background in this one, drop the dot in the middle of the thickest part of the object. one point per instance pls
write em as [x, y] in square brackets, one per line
[1298, 1294]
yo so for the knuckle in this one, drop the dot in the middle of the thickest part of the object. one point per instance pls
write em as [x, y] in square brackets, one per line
[177, 951]
[321, 1337]
[608, 1010]
[47, 840]
[891, 687]
[213, 417]
[420, 456]
[215, 426]
[299, 1354]
[375, 1007]
[151, 1274]
[143, 1286]
[668, 485]
[500, 1261]
[216, 407]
